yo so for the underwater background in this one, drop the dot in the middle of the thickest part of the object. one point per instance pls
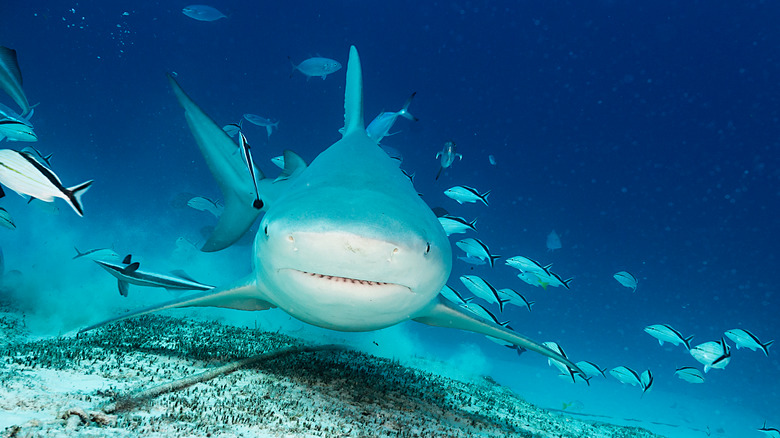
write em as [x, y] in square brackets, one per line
[645, 134]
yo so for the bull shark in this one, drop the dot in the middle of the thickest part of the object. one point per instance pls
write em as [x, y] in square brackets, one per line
[345, 242]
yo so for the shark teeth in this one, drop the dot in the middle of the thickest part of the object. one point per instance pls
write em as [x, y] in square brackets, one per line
[347, 279]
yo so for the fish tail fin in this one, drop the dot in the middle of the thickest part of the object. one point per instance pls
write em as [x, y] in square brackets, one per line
[493, 259]
[765, 347]
[473, 224]
[566, 282]
[484, 197]
[78, 253]
[438, 174]
[530, 304]
[501, 306]
[404, 112]
[294, 67]
[687, 342]
[74, 196]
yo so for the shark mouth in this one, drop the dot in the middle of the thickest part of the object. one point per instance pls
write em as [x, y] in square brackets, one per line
[348, 281]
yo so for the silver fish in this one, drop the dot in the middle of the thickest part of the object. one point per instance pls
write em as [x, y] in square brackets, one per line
[553, 241]
[665, 333]
[744, 338]
[463, 194]
[15, 127]
[316, 66]
[456, 225]
[689, 374]
[626, 279]
[22, 173]
[262, 121]
[712, 354]
[203, 13]
[476, 248]
[379, 128]
[202, 203]
[447, 156]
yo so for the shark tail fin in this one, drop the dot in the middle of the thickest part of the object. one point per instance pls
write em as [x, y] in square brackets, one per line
[353, 96]
[444, 314]
[242, 296]
[74, 196]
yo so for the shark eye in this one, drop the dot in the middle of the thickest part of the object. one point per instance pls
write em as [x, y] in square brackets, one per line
[427, 248]
[265, 230]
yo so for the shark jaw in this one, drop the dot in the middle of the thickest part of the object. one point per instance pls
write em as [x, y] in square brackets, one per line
[344, 280]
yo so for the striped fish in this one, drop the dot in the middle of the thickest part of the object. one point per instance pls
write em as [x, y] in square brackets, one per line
[466, 194]
[24, 174]
[476, 248]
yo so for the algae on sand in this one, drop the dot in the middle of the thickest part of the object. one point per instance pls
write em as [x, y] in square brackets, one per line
[325, 393]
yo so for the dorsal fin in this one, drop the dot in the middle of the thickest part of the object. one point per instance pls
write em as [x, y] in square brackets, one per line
[353, 95]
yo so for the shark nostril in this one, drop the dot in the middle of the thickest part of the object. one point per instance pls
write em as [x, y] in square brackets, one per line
[290, 238]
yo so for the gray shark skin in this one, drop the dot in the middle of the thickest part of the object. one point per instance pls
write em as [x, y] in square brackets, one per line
[345, 243]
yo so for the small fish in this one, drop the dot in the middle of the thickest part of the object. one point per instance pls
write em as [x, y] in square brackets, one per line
[533, 279]
[665, 333]
[16, 127]
[689, 374]
[5, 219]
[626, 279]
[482, 289]
[22, 173]
[246, 155]
[553, 279]
[379, 128]
[626, 375]
[516, 298]
[744, 338]
[11, 79]
[97, 254]
[232, 129]
[492, 160]
[772, 432]
[463, 194]
[472, 260]
[35, 153]
[520, 350]
[565, 370]
[316, 66]
[447, 156]
[712, 354]
[476, 248]
[553, 241]
[526, 264]
[591, 369]
[201, 203]
[454, 296]
[481, 311]
[262, 121]
[278, 161]
[203, 13]
[646, 381]
[127, 273]
[456, 225]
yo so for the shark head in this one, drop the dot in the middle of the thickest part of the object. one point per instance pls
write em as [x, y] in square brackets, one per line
[350, 245]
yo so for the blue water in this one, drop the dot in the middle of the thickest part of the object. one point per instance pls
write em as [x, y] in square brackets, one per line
[645, 134]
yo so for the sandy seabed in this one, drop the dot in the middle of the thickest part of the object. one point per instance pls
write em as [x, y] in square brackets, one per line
[103, 384]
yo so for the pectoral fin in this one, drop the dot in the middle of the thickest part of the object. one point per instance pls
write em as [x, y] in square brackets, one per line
[229, 171]
[243, 296]
[446, 314]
